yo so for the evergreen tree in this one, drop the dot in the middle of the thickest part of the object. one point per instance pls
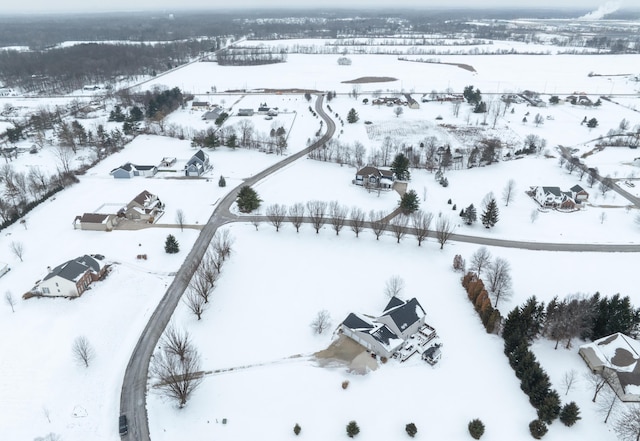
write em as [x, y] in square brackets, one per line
[476, 428]
[592, 123]
[550, 407]
[352, 116]
[222, 182]
[615, 314]
[470, 215]
[447, 158]
[411, 429]
[481, 107]
[409, 202]
[570, 414]
[248, 199]
[297, 429]
[490, 214]
[537, 428]
[352, 429]
[171, 245]
[400, 166]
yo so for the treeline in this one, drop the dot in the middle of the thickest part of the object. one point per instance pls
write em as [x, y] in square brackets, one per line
[66, 69]
[243, 135]
[251, 56]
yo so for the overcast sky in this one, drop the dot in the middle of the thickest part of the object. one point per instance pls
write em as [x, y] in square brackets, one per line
[48, 6]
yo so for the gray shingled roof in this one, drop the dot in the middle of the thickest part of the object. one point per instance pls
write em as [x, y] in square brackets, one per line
[407, 314]
[354, 322]
[73, 269]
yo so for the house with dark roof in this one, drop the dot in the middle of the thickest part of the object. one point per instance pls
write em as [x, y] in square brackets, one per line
[95, 222]
[411, 102]
[145, 207]
[580, 195]
[245, 112]
[71, 278]
[130, 170]
[616, 357]
[553, 197]
[400, 331]
[199, 105]
[197, 165]
[373, 177]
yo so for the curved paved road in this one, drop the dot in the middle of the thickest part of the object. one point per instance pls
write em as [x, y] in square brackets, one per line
[134, 385]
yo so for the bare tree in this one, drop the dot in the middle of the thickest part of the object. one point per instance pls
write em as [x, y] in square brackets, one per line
[176, 341]
[177, 375]
[338, 216]
[592, 177]
[255, 221]
[398, 111]
[606, 184]
[357, 220]
[597, 380]
[480, 259]
[317, 211]
[64, 155]
[568, 380]
[276, 214]
[607, 403]
[222, 242]
[82, 350]
[296, 215]
[602, 217]
[10, 300]
[498, 280]
[627, 425]
[508, 192]
[378, 222]
[421, 223]
[180, 219]
[321, 322]
[394, 286]
[444, 230]
[195, 303]
[18, 249]
[202, 282]
[399, 227]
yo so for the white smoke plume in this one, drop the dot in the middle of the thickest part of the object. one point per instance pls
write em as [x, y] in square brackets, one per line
[608, 8]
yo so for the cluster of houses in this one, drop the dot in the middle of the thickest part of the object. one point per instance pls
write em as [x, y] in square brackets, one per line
[71, 278]
[395, 101]
[399, 332]
[197, 165]
[443, 98]
[554, 197]
[145, 207]
[213, 111]
[616, 357]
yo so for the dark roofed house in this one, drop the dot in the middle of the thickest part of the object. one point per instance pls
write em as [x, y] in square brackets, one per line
[198, 164]
[145, 207]
[130, 170]
[71, 278]
[245, 112]
[579, 194]
[199, 105]
[400, 330]
[373, 177]
[95, 222]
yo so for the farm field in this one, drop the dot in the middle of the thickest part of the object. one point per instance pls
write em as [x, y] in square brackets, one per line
[275, 283]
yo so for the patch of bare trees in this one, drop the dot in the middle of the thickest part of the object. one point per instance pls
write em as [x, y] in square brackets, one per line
[480, 260]
[399, 227]
[498, 280]
[176, 366]
[378, 222]
[444, 230]
[394, 286]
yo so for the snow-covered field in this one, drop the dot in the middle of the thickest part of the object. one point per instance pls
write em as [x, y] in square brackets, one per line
[275, 283]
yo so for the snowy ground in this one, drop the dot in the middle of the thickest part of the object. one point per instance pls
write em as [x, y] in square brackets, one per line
[276, 282]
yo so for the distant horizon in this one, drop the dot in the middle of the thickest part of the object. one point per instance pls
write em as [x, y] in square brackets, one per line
[75, 7]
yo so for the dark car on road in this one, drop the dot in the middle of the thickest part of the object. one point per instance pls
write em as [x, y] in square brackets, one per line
[123, 425]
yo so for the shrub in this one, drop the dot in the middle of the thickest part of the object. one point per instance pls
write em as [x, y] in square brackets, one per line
[570, 414]
[411, 429]
[476, 428]
[297, 429]
[345, 384]
[537, 428]
[222, 182]
[352, 429]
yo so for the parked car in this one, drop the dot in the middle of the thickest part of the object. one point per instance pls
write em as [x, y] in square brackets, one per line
[123, 425]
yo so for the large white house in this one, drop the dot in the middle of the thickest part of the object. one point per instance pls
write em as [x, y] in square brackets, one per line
[400, 329]
[71, 278]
